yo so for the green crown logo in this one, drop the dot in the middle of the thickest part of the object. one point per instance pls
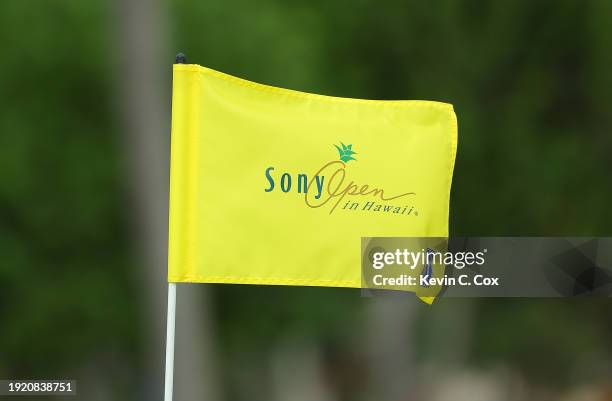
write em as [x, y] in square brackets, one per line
[346, 152]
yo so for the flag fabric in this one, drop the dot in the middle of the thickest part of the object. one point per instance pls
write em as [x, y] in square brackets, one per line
[277, 187]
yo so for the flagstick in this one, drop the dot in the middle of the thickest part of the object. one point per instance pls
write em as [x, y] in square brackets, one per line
[170, 330]
[171, 316]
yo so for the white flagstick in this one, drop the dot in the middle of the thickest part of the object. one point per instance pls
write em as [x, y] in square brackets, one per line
[170, 341]
[171, 316]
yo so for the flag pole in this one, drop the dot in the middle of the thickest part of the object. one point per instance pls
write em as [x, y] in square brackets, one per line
[170, 330]
[171, 315]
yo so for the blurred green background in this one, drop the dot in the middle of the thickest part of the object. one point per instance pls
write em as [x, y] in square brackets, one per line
[84, 146]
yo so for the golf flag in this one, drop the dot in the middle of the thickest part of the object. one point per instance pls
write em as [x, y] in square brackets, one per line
[277, 187]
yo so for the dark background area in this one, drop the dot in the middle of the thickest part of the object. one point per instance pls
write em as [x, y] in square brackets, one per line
[84, 147]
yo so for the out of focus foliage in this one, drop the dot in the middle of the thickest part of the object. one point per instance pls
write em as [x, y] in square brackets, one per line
[64, 289]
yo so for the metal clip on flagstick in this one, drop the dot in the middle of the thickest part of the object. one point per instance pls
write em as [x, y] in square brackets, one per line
[171, 316]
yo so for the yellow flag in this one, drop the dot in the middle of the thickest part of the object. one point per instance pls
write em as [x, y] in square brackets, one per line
[275, 186]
